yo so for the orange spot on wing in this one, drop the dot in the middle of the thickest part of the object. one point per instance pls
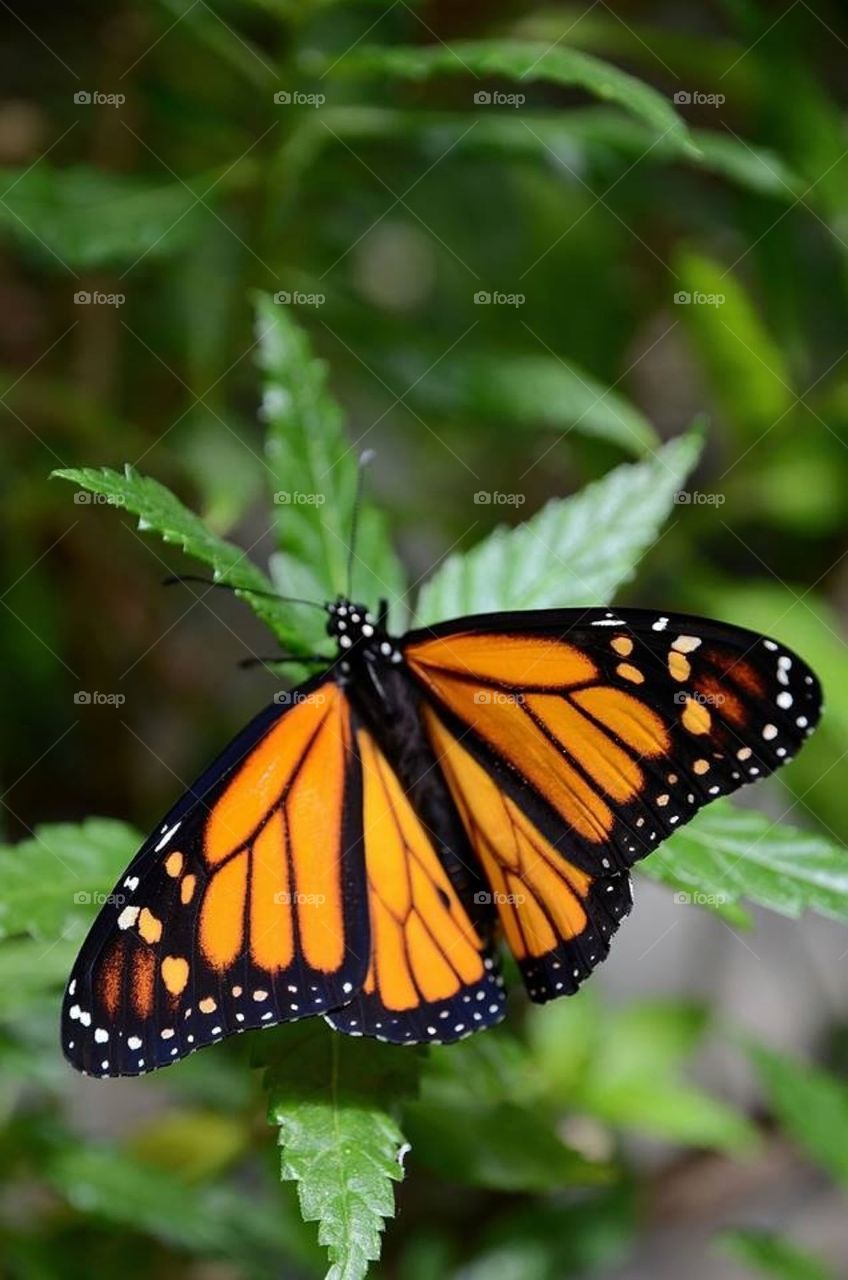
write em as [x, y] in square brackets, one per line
[635, 723]
[174, 863]
[175, 974]
[696, 717]
[222, 913]
[271, 930]
[149, 926]
[188, 884]
[517, 661]
[142, 981]
[259, 782]
[110, 979]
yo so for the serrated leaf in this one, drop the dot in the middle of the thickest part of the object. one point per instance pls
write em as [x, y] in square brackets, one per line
[87, 219]
[523, 61]
[575, 552]
[771, 1255]
[314, 471]
[333, 1101]
[160, 511]
[51, 880]
[533, 390]
[725, 854]
[811, 1105]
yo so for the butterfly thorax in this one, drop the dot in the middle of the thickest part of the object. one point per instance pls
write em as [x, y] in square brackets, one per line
[359, 635]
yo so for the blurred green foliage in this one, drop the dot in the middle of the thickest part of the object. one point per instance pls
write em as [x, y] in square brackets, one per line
[598, 204]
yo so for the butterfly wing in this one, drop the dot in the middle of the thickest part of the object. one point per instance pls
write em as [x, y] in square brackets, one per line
[576, 741]
[246, 908]
[431, 977]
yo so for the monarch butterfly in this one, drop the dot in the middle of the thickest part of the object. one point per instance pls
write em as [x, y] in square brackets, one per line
[360, 849]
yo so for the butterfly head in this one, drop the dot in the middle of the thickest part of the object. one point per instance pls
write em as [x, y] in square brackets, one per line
[357, 631]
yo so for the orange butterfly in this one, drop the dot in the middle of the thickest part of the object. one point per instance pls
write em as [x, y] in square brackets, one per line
[358, 851]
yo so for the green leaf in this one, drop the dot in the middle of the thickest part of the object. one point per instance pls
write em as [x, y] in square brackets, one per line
[333, 1100]
[51, 881]
[811, 1105]
[314, 471]
[747, 369]
[84, 218]
[31, 969]
[629, 1075]
[160, 511]
[117, 1188]
[523, 61]
[534, 390]
[499, 1145]
[575, 552]
[771, 1255]
[726, 853]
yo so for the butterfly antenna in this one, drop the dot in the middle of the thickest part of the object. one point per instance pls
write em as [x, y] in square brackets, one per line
[226, 586]
[364, 458]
